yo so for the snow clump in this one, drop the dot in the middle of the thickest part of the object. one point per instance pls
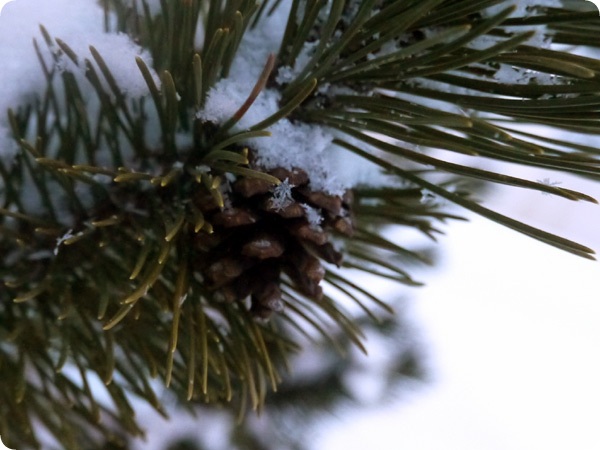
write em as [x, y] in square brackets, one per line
[79, 24]
[331, 169]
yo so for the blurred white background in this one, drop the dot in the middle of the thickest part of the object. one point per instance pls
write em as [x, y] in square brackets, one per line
[511, 329]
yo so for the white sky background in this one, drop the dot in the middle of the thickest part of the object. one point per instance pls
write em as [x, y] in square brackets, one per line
[512, 331]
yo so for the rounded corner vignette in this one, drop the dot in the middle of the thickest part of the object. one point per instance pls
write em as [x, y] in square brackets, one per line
[3, 3]
[596, 3]
[4, 447]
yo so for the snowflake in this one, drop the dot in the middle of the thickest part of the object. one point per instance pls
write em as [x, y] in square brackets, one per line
[68, 235]
[282, 195]
[548, 182]
[312, 215]
[427, 197]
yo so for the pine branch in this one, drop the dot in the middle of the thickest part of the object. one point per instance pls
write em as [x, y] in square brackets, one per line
[154, 235]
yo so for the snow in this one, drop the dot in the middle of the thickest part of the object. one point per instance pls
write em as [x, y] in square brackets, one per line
[282, 195]
[524, 7]
[516, 75]
[79, 24]
[312, 215]
[292, 144]
[541, 38]
[287, 73]
[68, 235]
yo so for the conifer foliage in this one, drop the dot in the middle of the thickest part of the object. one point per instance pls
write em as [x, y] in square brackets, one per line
[195, 232]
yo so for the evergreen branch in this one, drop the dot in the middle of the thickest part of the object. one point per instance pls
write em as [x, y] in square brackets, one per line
[200, 259]
[468, 171]
[551, 239]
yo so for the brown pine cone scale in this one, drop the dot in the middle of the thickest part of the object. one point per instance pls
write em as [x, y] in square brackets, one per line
[261, 234]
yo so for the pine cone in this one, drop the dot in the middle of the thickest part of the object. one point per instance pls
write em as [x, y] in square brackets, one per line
[265, 232]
